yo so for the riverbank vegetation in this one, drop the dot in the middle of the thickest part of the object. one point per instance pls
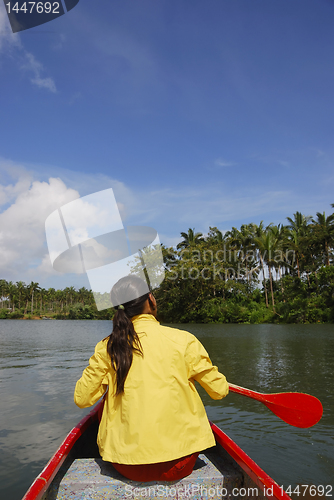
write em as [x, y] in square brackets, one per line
[21, 301]
[254, 274]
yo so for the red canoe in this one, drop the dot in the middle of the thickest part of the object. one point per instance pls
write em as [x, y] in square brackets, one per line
[76, 471]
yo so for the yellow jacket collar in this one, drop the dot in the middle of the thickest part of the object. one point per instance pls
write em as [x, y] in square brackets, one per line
[144, 317]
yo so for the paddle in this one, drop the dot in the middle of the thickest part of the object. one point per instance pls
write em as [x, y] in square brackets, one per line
[295, 408]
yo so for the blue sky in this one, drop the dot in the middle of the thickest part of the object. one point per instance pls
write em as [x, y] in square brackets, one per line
[196, 113]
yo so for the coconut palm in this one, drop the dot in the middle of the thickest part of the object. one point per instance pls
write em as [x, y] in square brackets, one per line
[84, 295]
[300, 222]
[281, 252]
[4, 288]
[323, 228]
[60, 296]
[267, 245]
[259, 232]
[21, 287]
[215, 235]
[42, 293]
[51, 293]
[190, 239]
[33, 287]
[243, 242]
[71, 293]
[12, 293]
[298, 229]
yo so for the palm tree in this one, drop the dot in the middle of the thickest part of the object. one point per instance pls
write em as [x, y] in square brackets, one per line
[71, 292]
[42, 293]
[33, 287]
[267, 244]
[83, 295]
[300, 222]
[51, 297]
[298, 228]
[324, 230]
[280, 233]
[21, 289]
[60, 295]
[4, 287]
[66, 294]
[190, 239]
[11, 292]
[244, 241]
[215, 235]
[259, 232]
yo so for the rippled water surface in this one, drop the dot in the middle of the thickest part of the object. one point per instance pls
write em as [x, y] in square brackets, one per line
[40, 362]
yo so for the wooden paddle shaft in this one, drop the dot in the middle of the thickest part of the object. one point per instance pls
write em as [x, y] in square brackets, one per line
[247, 392]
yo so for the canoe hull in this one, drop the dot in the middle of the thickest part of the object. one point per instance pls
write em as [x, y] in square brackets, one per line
[80, 445]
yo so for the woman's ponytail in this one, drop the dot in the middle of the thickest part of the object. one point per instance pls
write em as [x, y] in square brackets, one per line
[124, 341]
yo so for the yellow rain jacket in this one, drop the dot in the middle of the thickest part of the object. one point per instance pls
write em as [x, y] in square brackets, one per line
[160, 416]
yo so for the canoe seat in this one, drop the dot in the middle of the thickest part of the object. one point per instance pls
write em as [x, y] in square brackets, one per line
[93, 479]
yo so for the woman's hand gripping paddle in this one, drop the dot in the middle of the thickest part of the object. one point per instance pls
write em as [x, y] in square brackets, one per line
[295, 408]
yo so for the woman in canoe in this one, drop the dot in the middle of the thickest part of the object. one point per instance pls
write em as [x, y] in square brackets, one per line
[153, 424]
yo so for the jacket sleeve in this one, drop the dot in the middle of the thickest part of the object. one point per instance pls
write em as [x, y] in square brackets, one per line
[201, 369]
[93, 383]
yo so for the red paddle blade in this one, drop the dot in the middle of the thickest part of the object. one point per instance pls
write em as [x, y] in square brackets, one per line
[295, 408]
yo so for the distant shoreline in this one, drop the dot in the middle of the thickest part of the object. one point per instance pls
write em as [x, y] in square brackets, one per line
[38, 318]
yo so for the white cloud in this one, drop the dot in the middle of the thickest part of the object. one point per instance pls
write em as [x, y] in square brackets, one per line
[33, 66]
[27, 203]
[10, 44]
[87, 183]
[46, 83]
[21, 177]
[22, 233]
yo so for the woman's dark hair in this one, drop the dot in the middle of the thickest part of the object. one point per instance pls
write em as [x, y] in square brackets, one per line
[123, 340]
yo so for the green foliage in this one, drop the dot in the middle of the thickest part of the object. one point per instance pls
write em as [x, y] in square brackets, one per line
[15, 315]
[217, 278]
[326, 283]
[105, 314]
[62, 316]
[254, 274]
[80, 311]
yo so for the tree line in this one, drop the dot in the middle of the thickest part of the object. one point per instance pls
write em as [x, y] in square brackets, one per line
[19, 300]
[254, 274]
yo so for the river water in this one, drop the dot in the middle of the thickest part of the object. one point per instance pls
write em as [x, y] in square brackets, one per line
[40, 362]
